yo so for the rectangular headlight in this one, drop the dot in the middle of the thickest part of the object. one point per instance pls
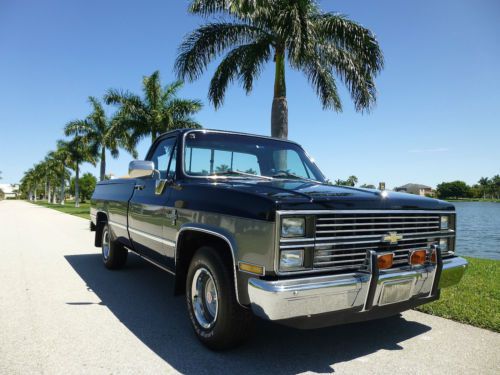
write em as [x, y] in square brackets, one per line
[291, 259]
[293, 227]
[444, 222]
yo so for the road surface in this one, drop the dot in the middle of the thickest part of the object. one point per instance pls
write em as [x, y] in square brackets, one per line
[62, 312]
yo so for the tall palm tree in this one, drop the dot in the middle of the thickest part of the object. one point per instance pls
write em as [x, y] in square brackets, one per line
[101, 133]
[159, 111]
[254, 32]
[62, 156]
[484, 182]
[80, 152]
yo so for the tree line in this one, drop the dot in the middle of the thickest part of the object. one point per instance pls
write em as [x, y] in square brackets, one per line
[485, 188]
[92, 138]
[244, 36]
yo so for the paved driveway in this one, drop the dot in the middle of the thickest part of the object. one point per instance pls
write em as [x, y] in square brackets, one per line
[61, 312]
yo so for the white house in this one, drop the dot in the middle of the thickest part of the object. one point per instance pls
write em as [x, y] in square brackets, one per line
[10, 190]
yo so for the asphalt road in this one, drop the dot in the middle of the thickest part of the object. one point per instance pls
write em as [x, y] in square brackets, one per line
[62, 312]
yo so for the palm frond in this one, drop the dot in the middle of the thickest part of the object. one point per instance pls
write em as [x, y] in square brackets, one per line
[203, 45]
[346, 34]
[245, 63]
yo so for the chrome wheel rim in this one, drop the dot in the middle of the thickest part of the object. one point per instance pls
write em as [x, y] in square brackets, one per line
[105, 244]
[204, 298]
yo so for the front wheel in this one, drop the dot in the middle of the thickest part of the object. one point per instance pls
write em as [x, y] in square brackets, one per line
[216, 316]
[114, 254]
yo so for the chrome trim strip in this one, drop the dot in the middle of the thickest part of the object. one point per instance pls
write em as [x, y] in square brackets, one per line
[151, 261]
[436, 223]
[203, 230]
[115, 224]
[152, 237]
[406, 236]
[376, 229]
[374, 217]
[388, 212]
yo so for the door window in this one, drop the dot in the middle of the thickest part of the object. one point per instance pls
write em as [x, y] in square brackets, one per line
[164, 158]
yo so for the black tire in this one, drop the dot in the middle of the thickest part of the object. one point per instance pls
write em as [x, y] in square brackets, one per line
[115, 256]
[232, 323]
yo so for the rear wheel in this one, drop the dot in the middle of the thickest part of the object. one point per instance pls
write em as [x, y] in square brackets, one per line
[114, 254]
[217, 318]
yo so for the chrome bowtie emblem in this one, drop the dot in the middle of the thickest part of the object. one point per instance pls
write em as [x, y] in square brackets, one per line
[392, 238]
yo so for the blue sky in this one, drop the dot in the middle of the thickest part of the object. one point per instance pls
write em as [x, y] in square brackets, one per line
[438, 111]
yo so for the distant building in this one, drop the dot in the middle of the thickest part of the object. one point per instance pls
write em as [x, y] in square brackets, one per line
[416, 189]
[10, 190]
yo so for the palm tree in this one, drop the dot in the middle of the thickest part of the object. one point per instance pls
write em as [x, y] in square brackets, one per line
[484, 182]
[254, 32]
[80, 152]
[159, 111]
[100, 133]
[62, 156]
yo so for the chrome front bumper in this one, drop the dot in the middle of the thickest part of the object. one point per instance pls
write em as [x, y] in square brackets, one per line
[303, 297]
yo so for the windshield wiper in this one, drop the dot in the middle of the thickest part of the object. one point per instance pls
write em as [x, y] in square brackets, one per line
[285, 174]
[231, 172]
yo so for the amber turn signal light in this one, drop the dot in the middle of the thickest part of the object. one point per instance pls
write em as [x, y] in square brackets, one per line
[418, 257]
[384, 261]
[251, 268]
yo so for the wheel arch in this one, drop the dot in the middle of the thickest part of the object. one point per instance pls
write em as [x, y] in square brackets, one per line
[189, 238]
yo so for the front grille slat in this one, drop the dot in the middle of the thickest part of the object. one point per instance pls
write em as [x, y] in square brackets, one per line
[343, 239]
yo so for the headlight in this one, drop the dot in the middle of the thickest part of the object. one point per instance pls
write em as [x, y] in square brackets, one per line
[443, 245]
[293, 227]
[444, 222]
[291, 260]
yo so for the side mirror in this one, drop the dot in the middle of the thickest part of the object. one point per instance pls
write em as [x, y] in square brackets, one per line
[141, 168]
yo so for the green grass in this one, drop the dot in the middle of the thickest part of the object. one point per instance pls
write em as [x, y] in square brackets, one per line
[475, 300]
[68, 208]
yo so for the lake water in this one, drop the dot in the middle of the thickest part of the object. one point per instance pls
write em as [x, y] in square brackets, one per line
[478, 229]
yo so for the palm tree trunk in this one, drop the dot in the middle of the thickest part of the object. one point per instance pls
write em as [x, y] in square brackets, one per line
[279, 112]
[77, 187]
[61, 193]
[48, 191]
[103, 163]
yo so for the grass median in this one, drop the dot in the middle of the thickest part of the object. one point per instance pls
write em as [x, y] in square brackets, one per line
[69, 208]
[475, 300]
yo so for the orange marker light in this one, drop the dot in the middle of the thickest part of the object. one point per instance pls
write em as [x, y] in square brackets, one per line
[384, 261]
[418, 257]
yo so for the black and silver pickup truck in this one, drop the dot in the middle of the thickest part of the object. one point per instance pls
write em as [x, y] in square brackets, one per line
[248, 226]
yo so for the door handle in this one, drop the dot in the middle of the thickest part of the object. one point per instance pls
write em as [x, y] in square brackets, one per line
[139, 187]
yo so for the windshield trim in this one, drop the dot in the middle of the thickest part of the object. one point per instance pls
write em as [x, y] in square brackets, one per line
[210, 177]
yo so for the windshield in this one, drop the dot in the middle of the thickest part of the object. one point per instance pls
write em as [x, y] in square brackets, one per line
[241, 156]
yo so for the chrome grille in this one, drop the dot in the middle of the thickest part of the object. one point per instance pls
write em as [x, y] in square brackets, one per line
[342, 240]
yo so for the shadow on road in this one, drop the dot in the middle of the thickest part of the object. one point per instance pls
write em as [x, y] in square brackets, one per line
[141, 297]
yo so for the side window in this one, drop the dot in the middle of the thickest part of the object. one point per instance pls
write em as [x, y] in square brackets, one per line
[164, 152]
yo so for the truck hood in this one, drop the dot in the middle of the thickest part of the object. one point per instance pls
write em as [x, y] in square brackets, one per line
[308, 195]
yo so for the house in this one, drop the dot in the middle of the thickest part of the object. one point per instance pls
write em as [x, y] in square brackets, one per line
[10, 190]
[416, 189]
